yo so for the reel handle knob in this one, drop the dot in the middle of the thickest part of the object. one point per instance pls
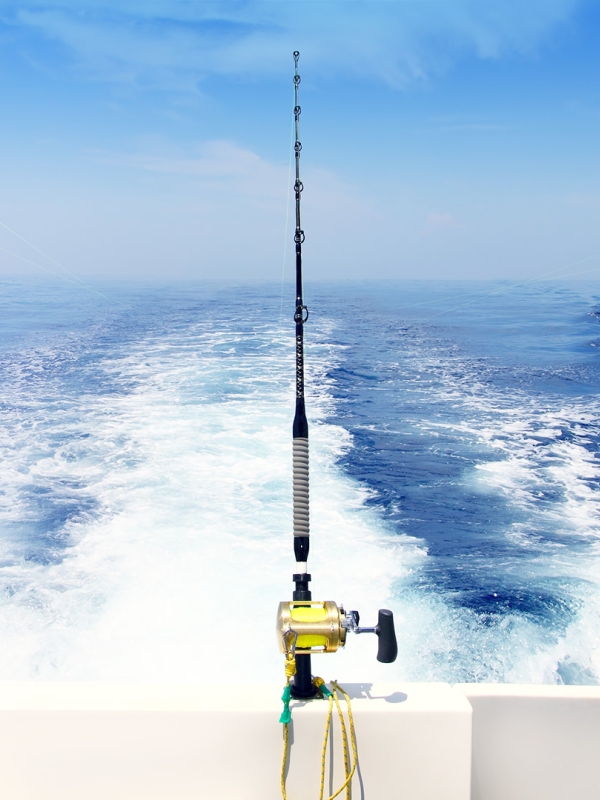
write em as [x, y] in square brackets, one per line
[388, 646]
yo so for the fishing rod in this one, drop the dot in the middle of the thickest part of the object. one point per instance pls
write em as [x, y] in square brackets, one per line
[306, 626]
[303, 681]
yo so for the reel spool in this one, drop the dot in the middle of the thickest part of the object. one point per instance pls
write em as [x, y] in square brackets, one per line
[316, 626]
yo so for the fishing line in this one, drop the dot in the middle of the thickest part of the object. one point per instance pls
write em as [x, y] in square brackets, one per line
[79, 284]
[506, 289]
[585, 272]
[40, 266]
[76, 279]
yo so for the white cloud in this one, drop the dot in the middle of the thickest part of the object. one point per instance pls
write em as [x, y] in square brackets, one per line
[215, 209]
[437, 221]
[217, 163]
[174, 44]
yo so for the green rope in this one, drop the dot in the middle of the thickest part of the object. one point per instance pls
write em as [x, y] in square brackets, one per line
[286, 714]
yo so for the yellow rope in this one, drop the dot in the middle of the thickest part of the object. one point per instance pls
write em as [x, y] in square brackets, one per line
[284, 763]
[333, 697]
[349, 775]
[290, 666]
[324, 751]
[290, 671]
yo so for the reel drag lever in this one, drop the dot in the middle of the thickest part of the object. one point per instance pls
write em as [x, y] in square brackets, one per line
[384, 630]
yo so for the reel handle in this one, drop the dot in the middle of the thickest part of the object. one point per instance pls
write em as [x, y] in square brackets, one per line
[388, 646]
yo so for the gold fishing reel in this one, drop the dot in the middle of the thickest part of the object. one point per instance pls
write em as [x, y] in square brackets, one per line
[317, 625]
[321, 626]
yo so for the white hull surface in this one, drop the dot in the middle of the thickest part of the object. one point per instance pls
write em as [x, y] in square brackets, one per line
[79, 741]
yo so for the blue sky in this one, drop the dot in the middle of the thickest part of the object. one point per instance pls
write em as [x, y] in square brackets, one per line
[441, 139]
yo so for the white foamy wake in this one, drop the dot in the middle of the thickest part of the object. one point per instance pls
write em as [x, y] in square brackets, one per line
[541, 460]
[168, 545]
[178, 546]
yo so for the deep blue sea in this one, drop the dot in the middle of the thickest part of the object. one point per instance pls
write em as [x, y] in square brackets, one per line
[145, 523]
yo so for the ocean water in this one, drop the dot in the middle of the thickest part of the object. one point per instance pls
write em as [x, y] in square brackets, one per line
[145, 477]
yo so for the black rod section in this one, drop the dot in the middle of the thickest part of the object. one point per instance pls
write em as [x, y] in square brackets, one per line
[300, 428]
